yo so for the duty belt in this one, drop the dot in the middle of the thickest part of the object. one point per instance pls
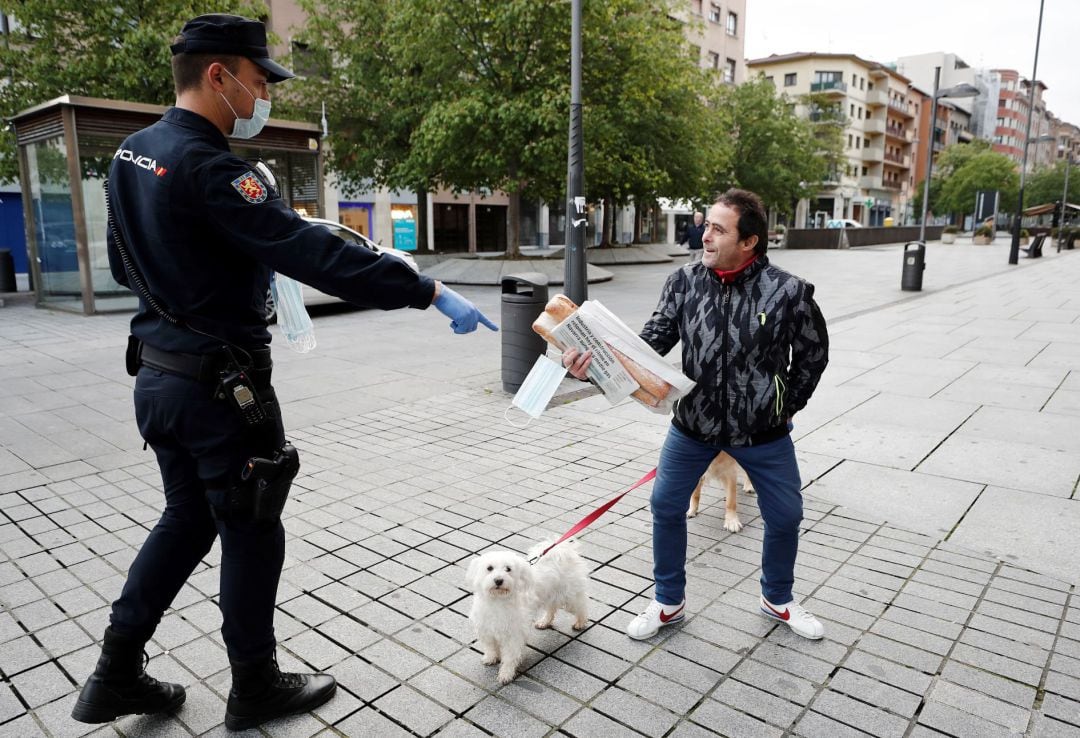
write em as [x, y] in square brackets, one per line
[203, 367]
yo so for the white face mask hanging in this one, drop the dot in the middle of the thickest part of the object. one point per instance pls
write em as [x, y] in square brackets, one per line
[537, 390]
[248, 127]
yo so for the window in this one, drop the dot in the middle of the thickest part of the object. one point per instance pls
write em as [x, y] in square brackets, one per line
[789, 80]
[866, 143]
[714, 13]
[729, 71]
[860, 113]
[864, 171]
[852, 110]
[854, 79]
[712, 60]
[732, 23]
[849, 140]
[695, 7]
[858, 142]
[305, 62]
[770, 80]
[862, 83]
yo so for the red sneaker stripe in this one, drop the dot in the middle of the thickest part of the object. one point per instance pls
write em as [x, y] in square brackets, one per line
[666, 617]
[785, 615]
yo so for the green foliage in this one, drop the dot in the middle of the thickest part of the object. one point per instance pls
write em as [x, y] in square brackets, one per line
[984, 231]
[1048, 185]
[961, 170]
[117, 50]
[950, 229]
[771, 150]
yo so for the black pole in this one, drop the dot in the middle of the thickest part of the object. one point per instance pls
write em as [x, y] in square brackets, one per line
[1014, 247]
[929, 158]
[577, 214]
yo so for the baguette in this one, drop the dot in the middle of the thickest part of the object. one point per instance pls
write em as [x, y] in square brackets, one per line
[558, 309]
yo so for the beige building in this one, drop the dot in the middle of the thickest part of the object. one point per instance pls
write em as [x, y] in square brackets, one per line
[715, 30]
[870, 102]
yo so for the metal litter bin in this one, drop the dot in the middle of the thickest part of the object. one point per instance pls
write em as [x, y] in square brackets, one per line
[7, 271]
[523, 299]
[914, 264]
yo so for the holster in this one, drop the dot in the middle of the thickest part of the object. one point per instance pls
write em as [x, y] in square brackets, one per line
[262, 490]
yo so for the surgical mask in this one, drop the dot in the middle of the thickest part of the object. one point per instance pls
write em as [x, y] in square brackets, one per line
[248, 127]
[292, 316]
[538, 388]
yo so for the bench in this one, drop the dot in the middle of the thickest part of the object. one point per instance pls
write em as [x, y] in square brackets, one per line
[1034, 251]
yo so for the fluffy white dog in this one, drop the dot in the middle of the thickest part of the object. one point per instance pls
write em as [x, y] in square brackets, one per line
[502, 608]
[560, 583]
[508, 593]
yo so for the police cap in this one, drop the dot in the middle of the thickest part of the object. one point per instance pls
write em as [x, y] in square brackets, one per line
[217, 33]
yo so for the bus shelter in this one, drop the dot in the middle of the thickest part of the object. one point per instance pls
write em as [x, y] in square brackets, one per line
[65, 147]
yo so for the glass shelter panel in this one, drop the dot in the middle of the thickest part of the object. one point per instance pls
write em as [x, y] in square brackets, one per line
[54, 225]
[95, 155]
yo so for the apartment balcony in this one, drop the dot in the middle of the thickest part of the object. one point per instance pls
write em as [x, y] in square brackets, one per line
[901, 107]
[897, 132]
[833, 87]
[898, 160]
[892, 185]
[870, 182]
[874, 126]
[827, 118]
[877, 98]
[873, 153]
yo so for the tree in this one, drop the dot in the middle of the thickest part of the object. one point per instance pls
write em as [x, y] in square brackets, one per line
[773, 151]
[117, 50]
[1048, 185]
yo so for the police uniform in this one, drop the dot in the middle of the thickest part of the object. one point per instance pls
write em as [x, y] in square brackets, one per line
[204, 231]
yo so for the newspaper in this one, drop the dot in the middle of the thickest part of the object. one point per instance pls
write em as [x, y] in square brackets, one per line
[605, 370]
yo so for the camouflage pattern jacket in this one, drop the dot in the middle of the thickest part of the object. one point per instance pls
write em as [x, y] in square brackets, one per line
[756, 348]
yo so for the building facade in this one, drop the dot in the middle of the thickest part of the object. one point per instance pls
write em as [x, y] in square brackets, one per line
[1011, 124]
[715, 30]
[870, 101]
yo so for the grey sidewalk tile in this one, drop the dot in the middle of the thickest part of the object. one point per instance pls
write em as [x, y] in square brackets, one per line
[859, 714]
[501, 718]
[1062, 708]
[912, 637]
[849, 601]
[775, 681]
[362, 679]
[816, 725]
[1018, 616]
[370, 722]
[395, 659]
[988, 708]
[728, 721]
[942, 595]
[631, 709]
[1065, 664]
[568, 679]
[698, 651]
[21, 654]
[762, 705]
[1046, 727]
[958, 723]
[447, 688]
[1002, 641]
[680, 671]
[1064, 685]
[916, 658]
[863, 588]
[538, 700]
[596, 662]
[792, 661]
[888, 672]
[461, 728]
[413, 710]
[946, 629]
[661, 691]
[589, 723]
[933, 608]
[41, 684]
[315, 649]
[996, 664]
[875, 692]
[990, 685]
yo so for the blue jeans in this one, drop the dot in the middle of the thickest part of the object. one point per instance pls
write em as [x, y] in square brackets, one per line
[774, 471]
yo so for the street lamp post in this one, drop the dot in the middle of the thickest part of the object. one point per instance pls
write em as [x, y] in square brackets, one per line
[1064, 199]
[961, 90]
[1014, 247]
[576, 211]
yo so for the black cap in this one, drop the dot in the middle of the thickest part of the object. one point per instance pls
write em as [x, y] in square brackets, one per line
[230, 34]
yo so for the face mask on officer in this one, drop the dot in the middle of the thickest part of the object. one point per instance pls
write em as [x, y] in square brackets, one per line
[248, 127]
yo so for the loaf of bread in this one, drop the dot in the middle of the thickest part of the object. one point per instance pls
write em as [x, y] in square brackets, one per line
[652, 389]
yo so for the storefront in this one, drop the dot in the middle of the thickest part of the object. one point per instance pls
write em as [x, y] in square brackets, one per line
[65, 148]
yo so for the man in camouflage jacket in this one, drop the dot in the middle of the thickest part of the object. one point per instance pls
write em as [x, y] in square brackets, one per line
[755, 342]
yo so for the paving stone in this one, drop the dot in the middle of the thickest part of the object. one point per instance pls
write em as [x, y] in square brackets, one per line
[946, 629]
[888, 672]
[413, 710]
[571, 680]
[370, 722]
[775, 681]
[1005, 646]
[912, 637]
[631, 709]
[679, 670]
[793, 662]
[1066, 686]
[858, 714]
[989, 684]
[1046, 727]
[362, 678]
[592, 660]
[916, 658]
[316, 649]
[958, 723]
[501, 718]
[876, 693]
[42, 684]
[1001, 665]
[816, 725]
[965, 699]
[762, 705]
[588, 723]
[1062, 708]
[719, 717]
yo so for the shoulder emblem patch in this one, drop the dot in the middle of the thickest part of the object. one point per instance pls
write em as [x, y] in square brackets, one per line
[250, 188]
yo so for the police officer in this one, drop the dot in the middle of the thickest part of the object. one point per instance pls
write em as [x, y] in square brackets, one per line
[196, 233]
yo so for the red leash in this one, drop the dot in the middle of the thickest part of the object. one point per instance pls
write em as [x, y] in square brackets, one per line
[588, 520]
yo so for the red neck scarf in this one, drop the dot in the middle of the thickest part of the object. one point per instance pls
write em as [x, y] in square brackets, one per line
[729, 276]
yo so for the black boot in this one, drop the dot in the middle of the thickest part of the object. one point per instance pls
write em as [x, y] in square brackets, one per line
[120, 686]
[261, 692]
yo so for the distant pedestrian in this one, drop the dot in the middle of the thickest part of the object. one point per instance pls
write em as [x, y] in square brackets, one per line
[755, 342]
[692, 236]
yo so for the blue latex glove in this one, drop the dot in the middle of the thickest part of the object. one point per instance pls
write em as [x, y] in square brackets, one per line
[463, 314]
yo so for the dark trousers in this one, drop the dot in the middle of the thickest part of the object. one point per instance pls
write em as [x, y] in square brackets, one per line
[201, 446]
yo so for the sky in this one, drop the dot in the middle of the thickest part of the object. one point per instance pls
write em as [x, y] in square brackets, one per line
[997, 34]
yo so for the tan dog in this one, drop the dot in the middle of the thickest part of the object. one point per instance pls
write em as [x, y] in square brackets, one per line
[725, 472]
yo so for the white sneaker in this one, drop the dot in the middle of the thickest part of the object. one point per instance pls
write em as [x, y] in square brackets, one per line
[655, 617]
[795, 616]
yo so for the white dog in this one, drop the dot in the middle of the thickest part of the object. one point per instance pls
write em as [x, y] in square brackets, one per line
[560, 583]
[502, 608]
[508, 593]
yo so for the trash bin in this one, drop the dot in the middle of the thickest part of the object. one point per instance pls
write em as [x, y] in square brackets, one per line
[888, 223]
[523, 299]
[7, 271]
[914, 264]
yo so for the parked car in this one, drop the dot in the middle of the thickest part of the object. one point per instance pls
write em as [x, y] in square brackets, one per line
[843, 223]
[313, 296]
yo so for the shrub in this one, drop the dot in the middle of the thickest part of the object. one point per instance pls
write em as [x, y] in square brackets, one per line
[781, 228]
[950, 229]
[984, 231]
[1024, 233]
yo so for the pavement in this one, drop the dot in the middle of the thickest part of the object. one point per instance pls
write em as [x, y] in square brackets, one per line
[940, 464]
